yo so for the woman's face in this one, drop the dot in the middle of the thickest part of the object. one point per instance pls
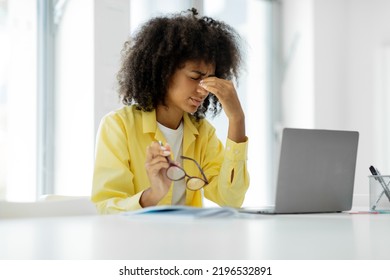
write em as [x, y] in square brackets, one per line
[184, 92]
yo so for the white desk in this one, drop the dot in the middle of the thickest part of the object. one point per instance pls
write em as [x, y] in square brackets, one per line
[320, 236]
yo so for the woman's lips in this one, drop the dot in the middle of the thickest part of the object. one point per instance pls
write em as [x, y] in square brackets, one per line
[196, 102]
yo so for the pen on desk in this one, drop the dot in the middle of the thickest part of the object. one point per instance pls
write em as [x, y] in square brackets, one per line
[377, 177]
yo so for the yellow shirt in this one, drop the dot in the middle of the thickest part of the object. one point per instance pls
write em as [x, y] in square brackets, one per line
[120, 177]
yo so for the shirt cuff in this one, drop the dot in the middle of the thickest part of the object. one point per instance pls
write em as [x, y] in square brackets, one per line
[236, 151]
[131, 203]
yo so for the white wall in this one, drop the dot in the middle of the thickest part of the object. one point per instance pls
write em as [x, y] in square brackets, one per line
[341, 64]
[297, 84]
[111, 30]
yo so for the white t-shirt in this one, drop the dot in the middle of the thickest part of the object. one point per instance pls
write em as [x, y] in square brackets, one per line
[175, 140]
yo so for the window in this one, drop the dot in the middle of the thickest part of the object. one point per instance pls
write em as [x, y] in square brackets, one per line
[73, 101]
[18, 99]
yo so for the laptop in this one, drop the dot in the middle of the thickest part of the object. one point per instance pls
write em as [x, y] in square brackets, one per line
[316, 172]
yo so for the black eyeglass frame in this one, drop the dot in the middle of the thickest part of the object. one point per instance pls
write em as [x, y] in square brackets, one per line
[172, 164]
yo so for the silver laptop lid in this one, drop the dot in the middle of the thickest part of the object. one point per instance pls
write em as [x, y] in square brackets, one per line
[316, 171]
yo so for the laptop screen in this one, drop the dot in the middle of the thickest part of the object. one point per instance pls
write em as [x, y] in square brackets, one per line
[316, 171]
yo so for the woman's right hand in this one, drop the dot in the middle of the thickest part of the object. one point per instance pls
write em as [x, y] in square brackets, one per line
[156, 165]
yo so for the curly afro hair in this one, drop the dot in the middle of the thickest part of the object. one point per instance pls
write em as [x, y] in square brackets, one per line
[163, 45]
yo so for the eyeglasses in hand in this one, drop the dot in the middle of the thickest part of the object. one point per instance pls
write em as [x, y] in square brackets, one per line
[177, 173]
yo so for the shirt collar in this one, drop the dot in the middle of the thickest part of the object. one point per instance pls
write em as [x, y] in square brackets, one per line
[149, 123]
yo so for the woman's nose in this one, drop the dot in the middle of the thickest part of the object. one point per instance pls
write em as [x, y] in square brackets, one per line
[202, 91]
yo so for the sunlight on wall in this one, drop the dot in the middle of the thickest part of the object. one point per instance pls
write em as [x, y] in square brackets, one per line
[74, 131]
[18, 103]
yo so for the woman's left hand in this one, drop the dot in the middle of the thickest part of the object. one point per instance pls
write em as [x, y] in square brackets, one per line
[226, 93]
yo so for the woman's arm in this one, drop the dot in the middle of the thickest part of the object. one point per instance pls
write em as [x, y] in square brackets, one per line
[226, 169]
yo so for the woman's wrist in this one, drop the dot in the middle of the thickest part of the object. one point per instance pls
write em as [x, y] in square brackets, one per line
[149, 198]
[236, 129]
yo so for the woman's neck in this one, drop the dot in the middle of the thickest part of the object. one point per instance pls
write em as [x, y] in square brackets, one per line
[168, 118]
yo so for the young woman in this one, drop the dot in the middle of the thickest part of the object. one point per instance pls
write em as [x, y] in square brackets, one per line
[159, 148]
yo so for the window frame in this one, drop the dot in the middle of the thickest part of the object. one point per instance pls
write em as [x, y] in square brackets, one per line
[46, 97]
